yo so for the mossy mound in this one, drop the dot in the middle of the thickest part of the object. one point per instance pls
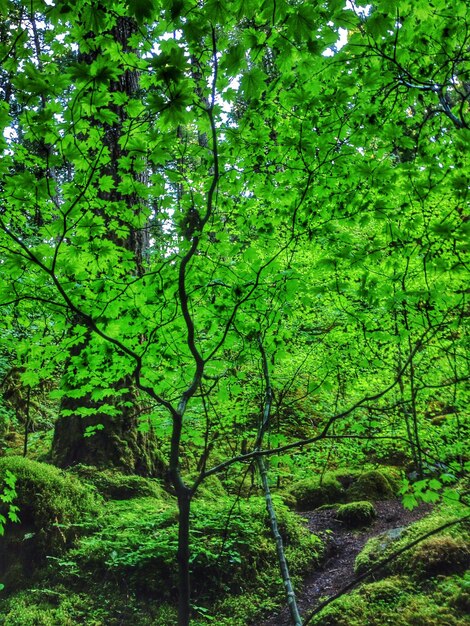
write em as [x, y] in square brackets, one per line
[356, 514]
[345, 485]
[371, 485]
[398, 601]
[114, 485]
[210, 489]
[47, 496]
[312, 493]
[441, 554]
[52, 508]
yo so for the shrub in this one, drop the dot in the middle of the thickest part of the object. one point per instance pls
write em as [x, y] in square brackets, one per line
[354, 514]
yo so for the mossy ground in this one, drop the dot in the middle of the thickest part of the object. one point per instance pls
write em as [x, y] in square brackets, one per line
[120, 567]
[425, 586]
[400, 601]
[441, 553]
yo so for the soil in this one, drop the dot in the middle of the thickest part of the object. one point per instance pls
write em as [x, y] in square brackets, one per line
[343, 545]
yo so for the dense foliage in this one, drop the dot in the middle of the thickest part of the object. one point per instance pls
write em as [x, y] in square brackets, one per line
[235, 232]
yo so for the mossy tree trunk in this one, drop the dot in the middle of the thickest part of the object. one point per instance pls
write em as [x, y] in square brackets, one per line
[115, 440]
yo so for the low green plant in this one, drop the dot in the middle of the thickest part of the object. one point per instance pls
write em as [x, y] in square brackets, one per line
[231, 546]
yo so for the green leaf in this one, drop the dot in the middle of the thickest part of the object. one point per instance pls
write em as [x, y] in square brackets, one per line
[253, 83]
[141, 9]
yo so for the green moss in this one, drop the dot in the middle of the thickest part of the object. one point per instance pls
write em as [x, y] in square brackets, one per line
[211, 489]
[420, 611]
[345, 485]
[53, 507]
[345, 476]
[100, 607]
[380, 547]
[397, 601]
[372, 485]
[389, 590]
[311, 493]
[231, 546]
[442, 554]
[354, 514]
[113, 484]
[44, 609]
[47, 497]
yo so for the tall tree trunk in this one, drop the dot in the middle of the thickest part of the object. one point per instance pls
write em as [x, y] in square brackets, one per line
[119, 444]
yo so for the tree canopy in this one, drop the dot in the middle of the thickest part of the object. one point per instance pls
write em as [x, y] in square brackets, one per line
[249, 218]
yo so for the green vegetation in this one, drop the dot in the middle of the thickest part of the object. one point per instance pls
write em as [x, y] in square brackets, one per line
[47, 497]
[361, 513]
[312, 492]
[399, 600]
[344, 485]
[234, 272]
[114, 485]
[136, 541]
[447, 550]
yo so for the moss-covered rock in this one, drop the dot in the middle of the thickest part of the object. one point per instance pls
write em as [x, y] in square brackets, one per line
[441, 554]
[388, 590]
[312, 493]
[345, 485]
[426, 556]
[52, 508]
[47, 496]
[397, 601]
[356, 514]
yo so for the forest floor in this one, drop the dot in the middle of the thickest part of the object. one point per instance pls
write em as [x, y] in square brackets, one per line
[343, 546]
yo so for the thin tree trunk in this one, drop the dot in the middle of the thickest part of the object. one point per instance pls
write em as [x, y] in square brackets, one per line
[290, 593]
[283, 566]
[184, 596]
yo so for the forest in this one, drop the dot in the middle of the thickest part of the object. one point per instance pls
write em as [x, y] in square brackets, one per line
[234, 302]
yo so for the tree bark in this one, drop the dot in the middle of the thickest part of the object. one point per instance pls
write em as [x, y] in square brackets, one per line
[261, 463]
[119, 444]
[184, 596]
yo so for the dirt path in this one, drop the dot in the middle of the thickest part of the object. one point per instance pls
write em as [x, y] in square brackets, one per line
[343, 546]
